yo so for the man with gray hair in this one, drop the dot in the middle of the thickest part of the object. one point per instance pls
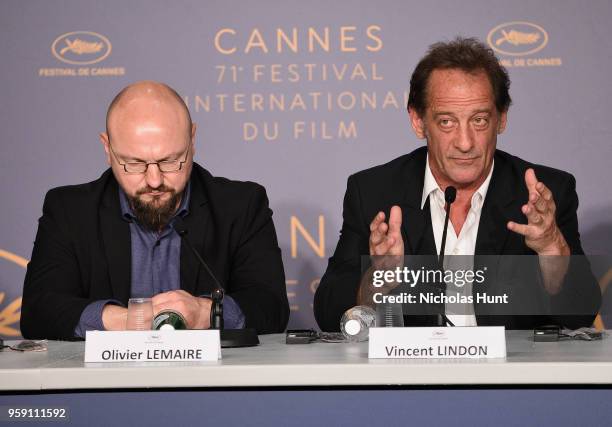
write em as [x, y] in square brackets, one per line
[459, 100]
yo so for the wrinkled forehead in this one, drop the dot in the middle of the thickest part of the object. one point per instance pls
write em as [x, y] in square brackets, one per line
[460, 89]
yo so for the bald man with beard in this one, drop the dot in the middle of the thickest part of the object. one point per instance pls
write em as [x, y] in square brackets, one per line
[101, 243]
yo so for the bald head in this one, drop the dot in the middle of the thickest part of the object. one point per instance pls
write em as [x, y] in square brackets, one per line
[144, 99]
[149, 144]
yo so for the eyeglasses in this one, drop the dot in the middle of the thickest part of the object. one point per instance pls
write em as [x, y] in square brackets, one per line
[142, 167]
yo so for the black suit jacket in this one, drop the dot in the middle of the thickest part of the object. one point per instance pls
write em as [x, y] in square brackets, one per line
[400, 182]
[82, 253]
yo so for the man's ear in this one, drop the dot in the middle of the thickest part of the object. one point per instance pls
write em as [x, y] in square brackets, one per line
[418, 126]
[503, 120]
[105, 142]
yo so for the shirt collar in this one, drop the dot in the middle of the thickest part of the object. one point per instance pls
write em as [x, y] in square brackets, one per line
[430, 186]
[128, 214]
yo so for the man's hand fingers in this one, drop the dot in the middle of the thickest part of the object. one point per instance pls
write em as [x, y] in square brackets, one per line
[376, 233]
[379, 234]
[522, 229]
[160, 299]
[385, 238]
[533, 216]
[384, 246]
[378, 219]
[531, 180]
[541, 205]
[165, 306]
[546, 202]
[395, 220]
[180, 305]
[168, 296]
[544, 191]
[171, 299]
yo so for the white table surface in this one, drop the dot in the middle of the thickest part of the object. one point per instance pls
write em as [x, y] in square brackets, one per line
[273, 363]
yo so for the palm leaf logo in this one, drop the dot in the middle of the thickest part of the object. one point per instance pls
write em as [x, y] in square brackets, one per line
[80, 47]
[517, 38]
[10, 315]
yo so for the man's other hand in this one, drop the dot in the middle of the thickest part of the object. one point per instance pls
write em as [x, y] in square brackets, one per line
[195, 310]
[541, 232]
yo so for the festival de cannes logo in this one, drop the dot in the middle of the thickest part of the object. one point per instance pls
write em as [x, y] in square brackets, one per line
[517, 38]
[10, 314]
[81, 47]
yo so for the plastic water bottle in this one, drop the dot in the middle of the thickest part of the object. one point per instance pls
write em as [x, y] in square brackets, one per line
[389, 315]
[356, 323]
[169, 319]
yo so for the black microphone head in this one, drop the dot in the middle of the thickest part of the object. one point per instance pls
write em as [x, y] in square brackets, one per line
[179, 226]
[450, 194]
[217, 295]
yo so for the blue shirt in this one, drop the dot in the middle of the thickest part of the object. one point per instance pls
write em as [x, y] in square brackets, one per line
[155, 268]
[155, 255]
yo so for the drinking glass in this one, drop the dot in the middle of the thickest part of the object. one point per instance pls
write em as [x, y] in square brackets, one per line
[140, 314]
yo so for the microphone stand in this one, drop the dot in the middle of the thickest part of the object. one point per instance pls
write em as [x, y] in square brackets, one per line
[246, 337]
[449, 197]
[216, 310]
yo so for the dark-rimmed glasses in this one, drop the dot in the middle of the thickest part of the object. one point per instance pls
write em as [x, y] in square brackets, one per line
[141, 167]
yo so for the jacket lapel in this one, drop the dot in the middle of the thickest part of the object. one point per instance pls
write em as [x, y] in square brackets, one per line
[196, 223]
[501, 205]
[116, 241]
[417, 231]
[416, 222]
[503, 202]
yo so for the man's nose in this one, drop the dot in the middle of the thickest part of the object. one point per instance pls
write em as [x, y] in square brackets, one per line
[154, 176]
[465, 139]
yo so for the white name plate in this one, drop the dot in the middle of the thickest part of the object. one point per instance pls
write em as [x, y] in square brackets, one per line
[152, 346]
[481, 342]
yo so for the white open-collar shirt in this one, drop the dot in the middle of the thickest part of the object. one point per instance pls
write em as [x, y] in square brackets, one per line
[462, 244]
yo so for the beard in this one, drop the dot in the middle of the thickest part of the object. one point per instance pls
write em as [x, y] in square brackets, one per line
[155, 214]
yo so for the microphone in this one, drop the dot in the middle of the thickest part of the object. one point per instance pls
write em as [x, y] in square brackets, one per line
[216, 312]
[450, 194]
[229, 337]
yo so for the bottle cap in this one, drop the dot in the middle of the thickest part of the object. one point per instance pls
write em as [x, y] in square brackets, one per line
[352, 327]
